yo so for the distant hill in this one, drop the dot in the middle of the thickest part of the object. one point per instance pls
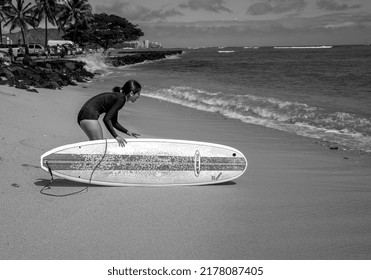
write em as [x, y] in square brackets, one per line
[36, 36]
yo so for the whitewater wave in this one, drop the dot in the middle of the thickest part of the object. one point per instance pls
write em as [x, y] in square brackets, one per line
[173, 56]
[294, 117]
[96, 63]
[305, 47]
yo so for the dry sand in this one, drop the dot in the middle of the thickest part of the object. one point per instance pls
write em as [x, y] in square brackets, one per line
[297, 200]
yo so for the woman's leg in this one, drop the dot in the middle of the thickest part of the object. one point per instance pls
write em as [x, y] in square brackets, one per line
[92, 129]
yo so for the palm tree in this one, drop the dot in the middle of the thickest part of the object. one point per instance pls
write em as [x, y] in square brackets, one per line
[46, 9]
[2, 17]
[19, 16]
[73, 13]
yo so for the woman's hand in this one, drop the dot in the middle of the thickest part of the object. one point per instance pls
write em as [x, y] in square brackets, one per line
[121, 141]
[133, 134]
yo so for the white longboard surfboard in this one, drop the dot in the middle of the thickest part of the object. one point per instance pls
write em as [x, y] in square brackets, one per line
[145, 162]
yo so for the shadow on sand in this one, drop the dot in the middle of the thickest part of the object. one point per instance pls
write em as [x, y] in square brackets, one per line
[63, 187]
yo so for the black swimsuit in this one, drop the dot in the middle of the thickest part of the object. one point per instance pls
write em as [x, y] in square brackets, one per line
[109, 103]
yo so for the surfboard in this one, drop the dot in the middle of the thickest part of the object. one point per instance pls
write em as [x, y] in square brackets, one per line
[145, 162]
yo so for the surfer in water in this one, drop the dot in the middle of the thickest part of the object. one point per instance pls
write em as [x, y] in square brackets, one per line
[109, 103]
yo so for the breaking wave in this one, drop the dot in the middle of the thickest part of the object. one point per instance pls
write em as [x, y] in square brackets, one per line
[96, 63]
[299, 118]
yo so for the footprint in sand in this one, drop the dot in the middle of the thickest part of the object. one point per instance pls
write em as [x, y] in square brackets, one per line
[31, 143]
[30, 165]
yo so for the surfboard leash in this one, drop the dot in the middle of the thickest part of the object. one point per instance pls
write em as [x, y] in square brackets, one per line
[96, 166]
[48, 187]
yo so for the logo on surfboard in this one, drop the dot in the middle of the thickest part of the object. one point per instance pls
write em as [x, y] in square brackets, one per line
[197, 163]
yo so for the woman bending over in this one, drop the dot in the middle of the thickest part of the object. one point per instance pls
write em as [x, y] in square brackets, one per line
[109, 103]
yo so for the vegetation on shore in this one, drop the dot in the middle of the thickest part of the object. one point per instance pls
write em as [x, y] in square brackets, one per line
[72, 17]
[75, 19]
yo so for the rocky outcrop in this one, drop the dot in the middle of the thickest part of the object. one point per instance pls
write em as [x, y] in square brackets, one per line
[30, 74]
[51, 74]
[133, 57]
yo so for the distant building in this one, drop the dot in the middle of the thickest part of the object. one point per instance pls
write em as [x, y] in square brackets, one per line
[141, 44]
[155, 45]
[6, 40]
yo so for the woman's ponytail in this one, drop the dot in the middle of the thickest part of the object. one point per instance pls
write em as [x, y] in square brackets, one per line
[116, 89]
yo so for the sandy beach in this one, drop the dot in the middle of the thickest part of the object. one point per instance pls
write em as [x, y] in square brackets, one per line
[298, 199]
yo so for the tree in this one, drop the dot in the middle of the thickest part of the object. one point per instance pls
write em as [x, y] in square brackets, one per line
[74, 13]
[3, 3]
[20, 16]
[46, 9]
[105, 31]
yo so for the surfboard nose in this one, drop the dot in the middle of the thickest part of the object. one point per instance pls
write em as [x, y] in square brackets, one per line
[241, 158]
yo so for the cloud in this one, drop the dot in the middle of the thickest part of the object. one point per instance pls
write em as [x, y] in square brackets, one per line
[331, 5]
[136, 12]
[340, 25]
[208, 5]
[160, 14]
[337, 28]
[344, 21]
[275, 6]
[259, 9]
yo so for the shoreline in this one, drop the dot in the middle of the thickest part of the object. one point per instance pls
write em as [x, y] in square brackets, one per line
[297, 199]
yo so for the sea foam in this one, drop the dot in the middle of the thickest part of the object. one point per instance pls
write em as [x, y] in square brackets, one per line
[96, 63]
[294, 117]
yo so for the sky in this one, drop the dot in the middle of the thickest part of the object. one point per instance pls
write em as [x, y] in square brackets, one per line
[196, 23]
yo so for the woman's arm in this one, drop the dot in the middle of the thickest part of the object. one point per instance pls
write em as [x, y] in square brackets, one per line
[110, 119]
[111, 122]
[119, 127]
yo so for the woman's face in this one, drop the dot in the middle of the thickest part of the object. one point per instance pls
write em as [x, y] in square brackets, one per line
[134, 95]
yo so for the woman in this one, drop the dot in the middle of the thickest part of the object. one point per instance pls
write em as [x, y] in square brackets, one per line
[109, 103]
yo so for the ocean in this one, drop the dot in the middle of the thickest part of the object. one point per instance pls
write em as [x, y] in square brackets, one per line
[318, 92]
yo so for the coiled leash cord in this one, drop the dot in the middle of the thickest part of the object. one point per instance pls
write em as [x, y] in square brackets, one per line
[48, 187]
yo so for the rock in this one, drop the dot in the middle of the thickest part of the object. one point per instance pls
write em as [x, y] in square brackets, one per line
[28, 61]
[51, 85]
[80, 79]
[17, 71]
[21, 85]
[70, 65]
[5, 72]
[333, 147]
[43, 69]
[3, 81]
[32, 90]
